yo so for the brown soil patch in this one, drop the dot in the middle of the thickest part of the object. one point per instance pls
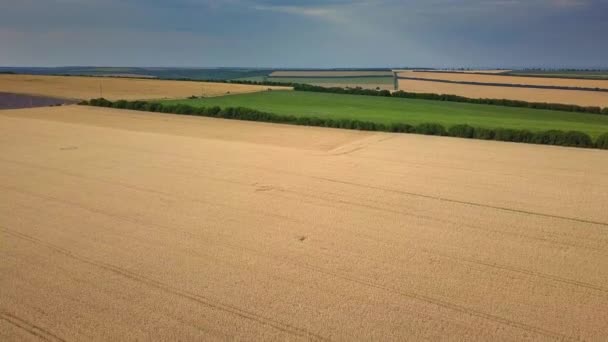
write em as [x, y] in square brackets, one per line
[84, 88]
[576, 97]
[14, 101]
[117, 226]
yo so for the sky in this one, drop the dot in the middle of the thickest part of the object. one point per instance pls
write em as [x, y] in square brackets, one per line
[305, 34]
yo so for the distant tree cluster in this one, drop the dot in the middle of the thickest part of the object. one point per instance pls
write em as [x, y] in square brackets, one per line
[264, 83]
[552, 137]
[452, 98]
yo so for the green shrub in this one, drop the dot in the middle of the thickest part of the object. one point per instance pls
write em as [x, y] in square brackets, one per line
[514, 135]
[593, 110]
[605, 111]
[133, 105]
[430, 129]
[602, 141]
[462, 131]
[152, 107]
[577, 139]
[483, 133]
[213, 111]
[551, 137]
[168, 108]
[101, 102]
[120, 104]
[183, 109]
[401, 128]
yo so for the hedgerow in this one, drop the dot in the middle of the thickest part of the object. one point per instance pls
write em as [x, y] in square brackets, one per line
[602, 141]
[462, 131]
[551, 137]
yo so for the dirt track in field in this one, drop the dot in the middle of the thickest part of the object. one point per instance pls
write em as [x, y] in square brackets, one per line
[502, 79]
[84, 88]
[575, 97]
[120, 225]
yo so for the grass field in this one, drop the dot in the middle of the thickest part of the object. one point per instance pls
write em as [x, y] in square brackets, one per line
[392, 110]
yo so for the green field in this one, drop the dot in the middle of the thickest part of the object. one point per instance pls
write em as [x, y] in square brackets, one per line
[410, 111]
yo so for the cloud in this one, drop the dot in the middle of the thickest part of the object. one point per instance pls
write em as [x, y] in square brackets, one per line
[332, 12]
[305, 33]
[324, 13]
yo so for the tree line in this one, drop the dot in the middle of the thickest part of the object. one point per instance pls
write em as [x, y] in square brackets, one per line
[551, 137]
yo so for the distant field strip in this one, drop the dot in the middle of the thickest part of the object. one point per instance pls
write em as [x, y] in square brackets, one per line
[476, 71]
[84, 88]
[562, 74]
[330, 73]
[505, 79]
[366, 82]
[520, 85]
[573, 97]
[335, 80]
[412, 111]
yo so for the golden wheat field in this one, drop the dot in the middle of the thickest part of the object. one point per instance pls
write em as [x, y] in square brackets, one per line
[328, 73]
[85, 88]
[120, 225]
[575, 97]
[503, 79]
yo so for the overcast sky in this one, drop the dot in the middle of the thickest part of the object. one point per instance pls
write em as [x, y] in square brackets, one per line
[298, 33]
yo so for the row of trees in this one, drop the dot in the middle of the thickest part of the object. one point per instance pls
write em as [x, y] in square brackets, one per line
[552, 137]
[452, 98]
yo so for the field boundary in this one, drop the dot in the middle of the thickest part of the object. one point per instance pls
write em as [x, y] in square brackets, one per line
[332, 77]
[551, 137]
[512, 73]
[491, 84]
